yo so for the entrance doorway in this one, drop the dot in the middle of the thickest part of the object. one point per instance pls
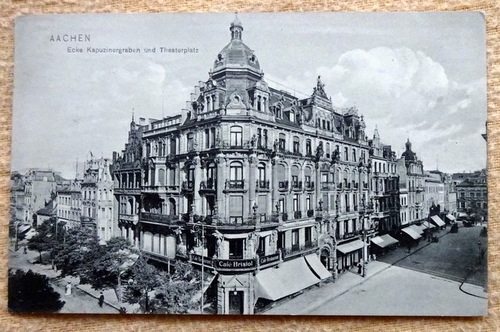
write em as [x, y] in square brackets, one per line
[236, 302]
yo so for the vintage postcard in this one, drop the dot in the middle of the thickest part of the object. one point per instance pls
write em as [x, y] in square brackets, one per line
[250, 163]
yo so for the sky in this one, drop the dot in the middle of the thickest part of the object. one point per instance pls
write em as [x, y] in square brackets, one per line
[420, 76]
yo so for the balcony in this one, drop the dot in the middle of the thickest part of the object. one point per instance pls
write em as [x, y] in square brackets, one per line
[365, 185]
[284, 216]
[297, 214]
[129, 218]
[339, 186]
[235, 184]
[283, 185]
[187, 185]
[310, 213]
[309, 185]
[159, 218]
[262, 184]
[207, 186]
[250, 222]
[328, 186]
[299, 249]
[297, 185]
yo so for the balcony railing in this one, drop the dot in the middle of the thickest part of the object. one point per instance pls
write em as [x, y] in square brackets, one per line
[262, 184]
[160, 218]
[297, 185]
[284, 216]
[283, 185]
[207, 185]
[297, 214]
[298, 249]
[187, 185]
[347, 208]
[309, 185]
[310, 213]
[365, 185]
[235, 184]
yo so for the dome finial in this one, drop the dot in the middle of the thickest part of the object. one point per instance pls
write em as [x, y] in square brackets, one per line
[236, 27]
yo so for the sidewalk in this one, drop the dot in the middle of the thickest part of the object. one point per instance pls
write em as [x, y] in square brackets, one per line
[318, 296]
[19, 260]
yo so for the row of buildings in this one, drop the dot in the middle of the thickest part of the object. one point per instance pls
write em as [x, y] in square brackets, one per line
[267, 193]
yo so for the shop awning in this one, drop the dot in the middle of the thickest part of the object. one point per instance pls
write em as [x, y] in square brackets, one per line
[289, 278]
[450, 217]
[315, 265]
[417, 229]
[410, 232]
[438, 221]
[23, 229]
[384, 240]
[207, 281]
[350, 247]
[389, 240]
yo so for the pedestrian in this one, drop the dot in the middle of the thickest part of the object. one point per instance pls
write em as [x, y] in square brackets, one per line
[360, 267]
[25, 250]
[101, 300]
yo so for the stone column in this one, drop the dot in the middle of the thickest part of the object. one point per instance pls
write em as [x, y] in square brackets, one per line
[252, 166]
[221, 181]
[196, 185]
[275, 184]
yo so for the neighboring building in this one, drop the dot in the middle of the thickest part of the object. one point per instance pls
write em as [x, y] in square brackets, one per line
[69, 204]
[127, 176]
[433, 192]
[411, 182]
[97, 198]
[39, 186]
[17, 198]
[47, 212]
[472, 193]
[251, 182]
[385, 186]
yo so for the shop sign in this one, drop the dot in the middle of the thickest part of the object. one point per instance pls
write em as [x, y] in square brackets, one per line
[269, 259]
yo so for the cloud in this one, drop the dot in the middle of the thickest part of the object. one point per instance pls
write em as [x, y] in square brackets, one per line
[408, 94]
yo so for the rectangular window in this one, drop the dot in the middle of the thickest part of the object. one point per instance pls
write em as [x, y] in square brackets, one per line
[308, 147]
[296, 145]
[236, 248]
[265, 139]
[296, 203]
[207, 138]
[236, 136]
[308, 234]
[295, 237]
[282, 142]
[346, 154]
[281, 204]
[308, 202]
[190, 142]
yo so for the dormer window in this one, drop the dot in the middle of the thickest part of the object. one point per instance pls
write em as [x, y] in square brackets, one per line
[292, 116]
[279, 112]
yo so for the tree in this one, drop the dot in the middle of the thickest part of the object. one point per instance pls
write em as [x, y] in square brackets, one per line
[159, 292]
[32, 292]
[74, 249]
[106, 263]
[146, 278]
[43, 240]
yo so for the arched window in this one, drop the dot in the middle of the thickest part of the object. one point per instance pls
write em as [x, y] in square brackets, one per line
[236, 175]
[354, 154]
[346, 153]
[236, 136]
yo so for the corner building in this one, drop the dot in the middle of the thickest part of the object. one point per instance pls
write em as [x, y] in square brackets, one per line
[267, 193]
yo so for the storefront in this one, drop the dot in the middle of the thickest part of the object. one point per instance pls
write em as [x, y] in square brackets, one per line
[349, 254]
[382, 244]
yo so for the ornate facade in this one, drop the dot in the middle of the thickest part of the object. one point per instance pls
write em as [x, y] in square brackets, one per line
[251, 183]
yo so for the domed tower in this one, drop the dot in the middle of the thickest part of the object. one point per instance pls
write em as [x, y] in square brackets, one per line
[409, 154]
[237, 70]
